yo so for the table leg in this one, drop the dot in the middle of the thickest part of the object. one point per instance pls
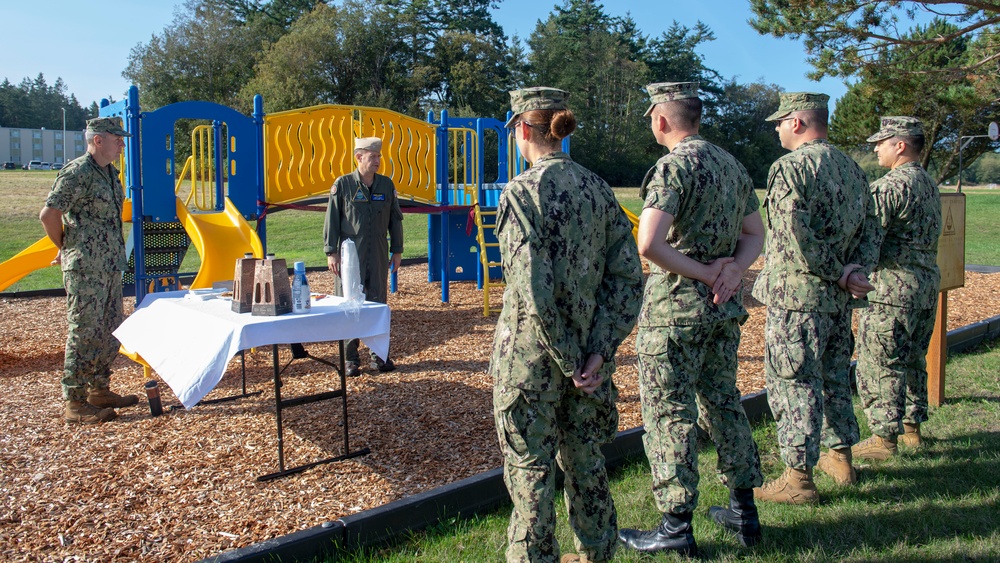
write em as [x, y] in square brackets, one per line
[279, 404]
[277, 407]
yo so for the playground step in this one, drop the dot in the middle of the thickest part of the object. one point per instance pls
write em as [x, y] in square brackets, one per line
[164, 247]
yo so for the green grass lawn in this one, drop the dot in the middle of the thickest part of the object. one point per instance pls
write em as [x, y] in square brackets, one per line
[936, 504]
[297, 235]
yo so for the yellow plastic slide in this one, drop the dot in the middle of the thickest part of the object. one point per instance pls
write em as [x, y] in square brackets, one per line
[220, 238]
[634, 220]
[39, 255]
[35, 257]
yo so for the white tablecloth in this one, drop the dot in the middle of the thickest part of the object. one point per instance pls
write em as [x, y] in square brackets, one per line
[189, 342]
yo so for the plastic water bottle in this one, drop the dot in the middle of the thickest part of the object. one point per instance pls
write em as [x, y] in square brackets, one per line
[300, 290]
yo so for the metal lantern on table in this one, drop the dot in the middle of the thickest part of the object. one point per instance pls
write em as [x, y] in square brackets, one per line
[243, 283]
[272, 294]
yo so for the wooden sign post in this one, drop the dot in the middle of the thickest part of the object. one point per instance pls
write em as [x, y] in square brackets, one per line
[951, 262]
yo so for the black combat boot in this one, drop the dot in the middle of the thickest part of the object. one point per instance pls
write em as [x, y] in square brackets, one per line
[740, 518]
[673, 534]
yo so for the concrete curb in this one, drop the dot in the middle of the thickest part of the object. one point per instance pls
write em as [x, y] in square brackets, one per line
[482, 493]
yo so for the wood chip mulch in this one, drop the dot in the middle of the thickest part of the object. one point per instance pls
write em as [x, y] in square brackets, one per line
[183, 486]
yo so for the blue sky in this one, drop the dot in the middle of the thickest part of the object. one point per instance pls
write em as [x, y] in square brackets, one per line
[87, 47]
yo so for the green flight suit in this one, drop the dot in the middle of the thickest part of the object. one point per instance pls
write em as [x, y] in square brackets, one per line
[365, 214]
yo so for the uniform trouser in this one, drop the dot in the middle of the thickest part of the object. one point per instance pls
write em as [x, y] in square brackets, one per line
[374, 282]
[687, 373]
[94, 311]
[807, 357]
[538, 430]
[892, 366]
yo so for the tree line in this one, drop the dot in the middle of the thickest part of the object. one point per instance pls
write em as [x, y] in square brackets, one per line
[415, 56]
[33, 104]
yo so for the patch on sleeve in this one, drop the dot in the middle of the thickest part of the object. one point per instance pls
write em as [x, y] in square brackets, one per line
[333, 190]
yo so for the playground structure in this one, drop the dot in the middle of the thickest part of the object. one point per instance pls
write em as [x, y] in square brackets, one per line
[241, 168]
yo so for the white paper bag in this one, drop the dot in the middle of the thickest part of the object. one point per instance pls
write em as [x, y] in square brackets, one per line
[350, 273]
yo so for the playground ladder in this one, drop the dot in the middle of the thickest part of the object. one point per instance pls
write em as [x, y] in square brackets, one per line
[481, 227]
[165, 245]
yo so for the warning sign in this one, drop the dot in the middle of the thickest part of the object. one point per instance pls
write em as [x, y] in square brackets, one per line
[951, 244]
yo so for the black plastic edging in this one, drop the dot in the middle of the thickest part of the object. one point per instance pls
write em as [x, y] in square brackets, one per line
[484, 492]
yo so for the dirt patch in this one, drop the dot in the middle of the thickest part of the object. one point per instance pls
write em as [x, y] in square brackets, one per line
[183, 486]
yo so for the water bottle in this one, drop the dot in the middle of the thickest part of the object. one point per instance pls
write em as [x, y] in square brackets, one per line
[300, 289]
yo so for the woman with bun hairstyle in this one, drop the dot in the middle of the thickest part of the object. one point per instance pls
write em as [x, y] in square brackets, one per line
[574, 289]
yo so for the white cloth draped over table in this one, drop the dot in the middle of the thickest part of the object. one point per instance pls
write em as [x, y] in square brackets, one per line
[189, 342]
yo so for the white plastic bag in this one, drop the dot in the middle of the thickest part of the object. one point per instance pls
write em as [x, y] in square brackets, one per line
[350, 276]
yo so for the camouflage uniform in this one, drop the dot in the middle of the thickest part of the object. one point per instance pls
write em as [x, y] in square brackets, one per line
[574, 285]
[687, 345]
[816, 206]
[93, 257]
[896, 330]
[364, 214]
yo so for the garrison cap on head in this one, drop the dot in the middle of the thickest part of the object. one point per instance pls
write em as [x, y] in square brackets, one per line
[668, 92]
[111, 125]
[368, 144]
[539, 97]
[898, 126]
[798, 101]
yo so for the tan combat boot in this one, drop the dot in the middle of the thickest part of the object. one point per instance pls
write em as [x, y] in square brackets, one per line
[86, 413]
[795, 486]
[107, 399]
[910, 436]
[837, 464]
[875, 448]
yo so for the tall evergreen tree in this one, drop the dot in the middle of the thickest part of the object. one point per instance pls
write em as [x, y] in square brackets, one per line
[950, 108]
[34, 104]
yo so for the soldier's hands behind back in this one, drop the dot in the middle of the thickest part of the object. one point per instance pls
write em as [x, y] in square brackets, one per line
[589, 378]
[727, 283]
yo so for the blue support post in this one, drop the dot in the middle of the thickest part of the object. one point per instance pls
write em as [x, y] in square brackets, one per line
[445, 201]
[431, 235]
[133, 183]
[220, 162]
[258, 121]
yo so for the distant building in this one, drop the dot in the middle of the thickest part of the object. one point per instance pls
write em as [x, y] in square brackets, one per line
[23, 145]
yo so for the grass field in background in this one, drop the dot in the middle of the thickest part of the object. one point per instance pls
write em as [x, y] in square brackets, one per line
[936, 504]
[297, 235]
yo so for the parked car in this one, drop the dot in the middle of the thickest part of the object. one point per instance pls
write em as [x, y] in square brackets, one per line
[46, 166]
[35, 165]
[10, 166]
[56, 165]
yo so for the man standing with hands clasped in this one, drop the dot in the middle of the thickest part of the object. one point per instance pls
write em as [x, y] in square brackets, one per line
[82, 218]
[817, 207]
[363, 207]
[700, 230]
[896, 329]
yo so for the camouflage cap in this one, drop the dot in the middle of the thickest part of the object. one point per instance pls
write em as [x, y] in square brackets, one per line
[111, 125]
[373, 144]
[660, 92]
[898, 126]
[798, 101]
[539, 97]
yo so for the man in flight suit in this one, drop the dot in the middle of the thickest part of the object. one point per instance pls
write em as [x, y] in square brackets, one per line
[363, 207]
